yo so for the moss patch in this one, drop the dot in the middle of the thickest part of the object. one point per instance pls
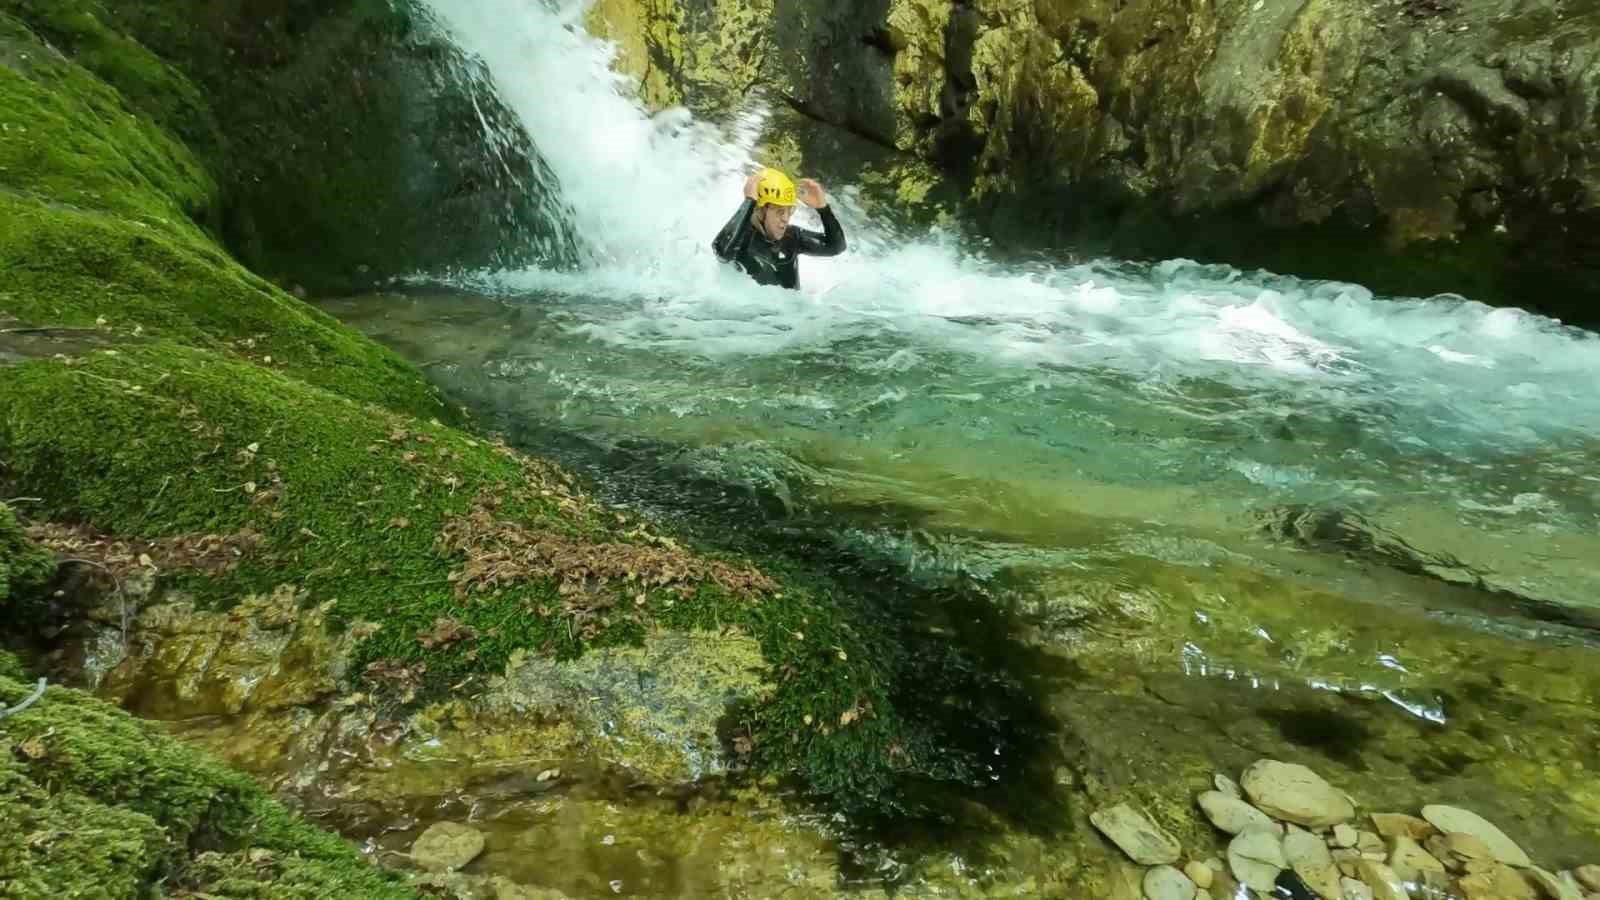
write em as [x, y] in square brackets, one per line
[100, 804]
[24, 569]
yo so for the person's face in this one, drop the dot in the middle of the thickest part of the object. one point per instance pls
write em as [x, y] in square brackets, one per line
[775, 220]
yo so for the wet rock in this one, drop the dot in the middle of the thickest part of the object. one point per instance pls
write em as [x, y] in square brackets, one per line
[1385, 884]
[1456, 851]
[1295, 794]
[447, 846]
[1392, 825]
[1167, 883]
[1145, 842]
[1355, 890]
[654, 709]
[1308, 856]
[1347, 860]
[1228, 786]
[1410, 861]
[1496, 881]
[1552, 888]
[1453, 820]
[1343, 836]
[1256, 858]
[1370, 846]
[1588, 876]
[1199, 873]
[1232, 815]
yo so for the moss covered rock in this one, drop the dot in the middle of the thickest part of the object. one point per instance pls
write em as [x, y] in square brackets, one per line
[345, 143]
[99, 804]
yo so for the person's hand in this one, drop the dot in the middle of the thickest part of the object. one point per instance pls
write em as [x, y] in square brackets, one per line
[750, 185]
[811, 193]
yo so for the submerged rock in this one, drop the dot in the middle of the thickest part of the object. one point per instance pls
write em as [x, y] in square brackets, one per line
[1256, 858]
[1453, 820]
[1295, 794]
[447, 846]
[1145, 842]
[1167, 883]
[1233, 815]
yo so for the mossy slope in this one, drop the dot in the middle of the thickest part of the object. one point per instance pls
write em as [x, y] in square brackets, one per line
[98, 804]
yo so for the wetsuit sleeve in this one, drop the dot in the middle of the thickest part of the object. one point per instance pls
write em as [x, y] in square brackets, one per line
[829, 243]
[733, 237]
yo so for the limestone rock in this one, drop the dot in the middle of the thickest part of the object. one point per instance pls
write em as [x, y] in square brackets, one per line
[1347, 860]
[1295, 794]
[1552, 888]
[1354, 890]
[1588, 876]
[1453, 820]
[1385, 884]
[1496, 882]
[1391, 825]
[1256, 858]
[1199, 873]
[1232, 815]
[1410, 861]
[1308, 856]
[1344, 836]
[1227, 786]
[447, 846]
[1145, 842]
[1167, 883]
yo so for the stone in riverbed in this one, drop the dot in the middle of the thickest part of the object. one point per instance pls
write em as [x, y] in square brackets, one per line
[1232, 815]
[1354, 890]
[1145, 842]
[1588, 876]
[446, 847]
[1347, 860]
[1344, 836]
[1199, 873]
[1552, 888]
[1450, 819]
[1411, 862]
[1295, 794]
[1385, 884]
[1371, 846]
[1308, 856]
[1227, 786]
[1256, 858]
[1495, 881]
[1392, 825]
[1167, 883]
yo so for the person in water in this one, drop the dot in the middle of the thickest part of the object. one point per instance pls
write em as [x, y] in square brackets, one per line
[760, 240]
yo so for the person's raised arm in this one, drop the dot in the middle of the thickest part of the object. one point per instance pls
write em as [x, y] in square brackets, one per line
[831, 241]
[731, 240]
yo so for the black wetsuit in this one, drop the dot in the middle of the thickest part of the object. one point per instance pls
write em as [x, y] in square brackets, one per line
[776, 262]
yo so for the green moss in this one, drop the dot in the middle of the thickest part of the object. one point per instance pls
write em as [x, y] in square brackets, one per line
[105, 805]
[95, 228]
[24, 568]
[72, 139]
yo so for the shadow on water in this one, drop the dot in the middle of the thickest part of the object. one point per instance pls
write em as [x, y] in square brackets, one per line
[960, 675]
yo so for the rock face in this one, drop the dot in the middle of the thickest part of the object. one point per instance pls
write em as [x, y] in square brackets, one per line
[1436, 133]
[1295, 794]
[1145, 842]
[1450, 820]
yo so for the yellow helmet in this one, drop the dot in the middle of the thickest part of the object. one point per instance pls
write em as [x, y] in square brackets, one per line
[774, 189]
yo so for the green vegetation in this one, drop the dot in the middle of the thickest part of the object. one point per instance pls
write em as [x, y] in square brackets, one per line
[98, 804]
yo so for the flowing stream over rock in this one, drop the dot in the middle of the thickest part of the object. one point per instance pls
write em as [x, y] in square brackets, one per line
[1252, 514]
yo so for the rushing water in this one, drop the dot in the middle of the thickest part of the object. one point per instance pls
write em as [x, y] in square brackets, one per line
[1098, 440]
